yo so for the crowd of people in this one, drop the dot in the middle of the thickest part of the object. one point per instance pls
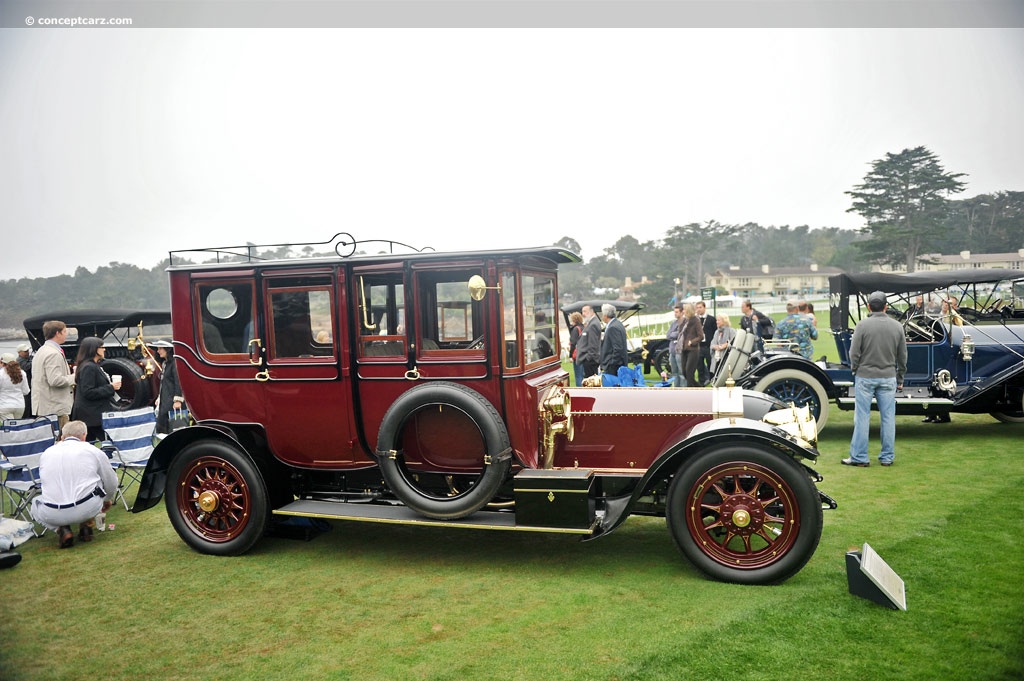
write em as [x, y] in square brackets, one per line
[77, 482]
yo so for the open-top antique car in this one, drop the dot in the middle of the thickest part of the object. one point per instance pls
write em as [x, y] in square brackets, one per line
[426, 388]
[125, 354]
[966, 358]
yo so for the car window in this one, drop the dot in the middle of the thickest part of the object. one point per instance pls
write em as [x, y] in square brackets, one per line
[539, 317]
[382, 323]
[301, 321]
[225, 311]
[510, 318]
[449, 319]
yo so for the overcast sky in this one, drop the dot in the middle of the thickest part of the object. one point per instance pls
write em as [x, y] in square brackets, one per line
[120, 145]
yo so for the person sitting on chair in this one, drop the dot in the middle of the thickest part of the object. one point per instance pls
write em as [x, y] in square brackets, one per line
[77, 484]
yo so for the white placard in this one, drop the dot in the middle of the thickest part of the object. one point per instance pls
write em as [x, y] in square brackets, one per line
[883, 576]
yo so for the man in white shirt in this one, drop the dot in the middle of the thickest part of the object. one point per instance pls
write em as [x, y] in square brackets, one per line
[77, 484]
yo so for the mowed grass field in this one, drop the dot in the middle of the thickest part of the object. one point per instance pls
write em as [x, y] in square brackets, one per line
[367, 601]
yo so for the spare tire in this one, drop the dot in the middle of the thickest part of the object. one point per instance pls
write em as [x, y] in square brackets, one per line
[134, 392]
[427, 480]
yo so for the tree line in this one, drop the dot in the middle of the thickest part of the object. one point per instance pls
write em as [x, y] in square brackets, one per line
[905, 200]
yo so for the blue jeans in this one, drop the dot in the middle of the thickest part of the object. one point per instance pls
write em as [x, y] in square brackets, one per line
[883, 390]
[577, 372]
[677, 370]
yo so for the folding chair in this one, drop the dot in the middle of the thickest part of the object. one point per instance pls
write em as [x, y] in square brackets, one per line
[130, 443]
[22, 442]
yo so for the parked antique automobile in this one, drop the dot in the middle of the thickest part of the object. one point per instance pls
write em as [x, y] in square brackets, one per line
[625, 311]
[966, 359]
[422, 388]
[125, 356]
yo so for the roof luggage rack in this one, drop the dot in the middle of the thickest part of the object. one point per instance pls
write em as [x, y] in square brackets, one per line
[343, 244]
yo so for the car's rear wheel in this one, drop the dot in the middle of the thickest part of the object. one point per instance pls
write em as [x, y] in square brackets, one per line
[799, 388]
[1011, 416]
[661, 362]
[744, 514]
[216, 498]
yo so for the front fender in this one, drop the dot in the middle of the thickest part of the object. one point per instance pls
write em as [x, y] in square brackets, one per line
[701, 437]
[776, 362]
[154, 478]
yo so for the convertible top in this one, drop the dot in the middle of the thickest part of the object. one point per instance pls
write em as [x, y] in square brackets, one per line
[915, 282]
[96, 322]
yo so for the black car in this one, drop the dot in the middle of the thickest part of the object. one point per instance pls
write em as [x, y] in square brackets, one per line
[966, 356]
[125, 355]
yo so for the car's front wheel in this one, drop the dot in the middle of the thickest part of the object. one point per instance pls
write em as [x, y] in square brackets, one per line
[216, 498]
[799, 388]
[744, 514]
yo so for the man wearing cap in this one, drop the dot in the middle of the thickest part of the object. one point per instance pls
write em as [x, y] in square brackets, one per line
[878, 356]
[25, 362]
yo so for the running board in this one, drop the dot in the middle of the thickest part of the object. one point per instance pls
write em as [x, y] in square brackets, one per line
[942, 401]
[403, 515]
[905, 406]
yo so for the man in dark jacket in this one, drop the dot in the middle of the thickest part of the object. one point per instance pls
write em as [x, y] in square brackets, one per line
[613, 348]
[709, 326]
[756, 322]
[588, 347]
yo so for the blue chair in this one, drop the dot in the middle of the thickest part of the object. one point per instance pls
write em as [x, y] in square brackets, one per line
[22, 442]
[129, 445]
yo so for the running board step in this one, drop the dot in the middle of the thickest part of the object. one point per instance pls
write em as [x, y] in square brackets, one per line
[402, 515]
[945, 401]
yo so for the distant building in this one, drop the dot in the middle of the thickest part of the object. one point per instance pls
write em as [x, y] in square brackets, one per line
[775, 281]
[935, 262]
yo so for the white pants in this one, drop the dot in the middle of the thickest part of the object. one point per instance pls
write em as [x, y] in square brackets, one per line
[52, 518]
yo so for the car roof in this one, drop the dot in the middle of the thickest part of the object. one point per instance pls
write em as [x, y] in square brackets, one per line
[180, 259]
[620, 306]
[103, 317]
[867, 282]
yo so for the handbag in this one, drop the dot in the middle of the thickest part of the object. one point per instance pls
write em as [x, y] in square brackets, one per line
[179, 419]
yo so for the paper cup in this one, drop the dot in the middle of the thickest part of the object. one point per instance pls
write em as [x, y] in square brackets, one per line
[115, 378]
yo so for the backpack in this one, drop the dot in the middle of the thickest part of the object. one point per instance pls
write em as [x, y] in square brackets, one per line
[767, 330]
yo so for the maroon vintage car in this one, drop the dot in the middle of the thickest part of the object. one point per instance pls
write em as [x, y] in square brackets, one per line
[426, 388]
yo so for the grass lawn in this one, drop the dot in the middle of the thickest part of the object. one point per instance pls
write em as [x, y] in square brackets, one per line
[367, 601]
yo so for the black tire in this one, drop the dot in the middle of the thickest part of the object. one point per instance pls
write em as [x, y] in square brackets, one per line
[798, 387]
[1010, 416]
[216, 498]
[413, 485]
[744, 514]
[661, 362]
[134, 392]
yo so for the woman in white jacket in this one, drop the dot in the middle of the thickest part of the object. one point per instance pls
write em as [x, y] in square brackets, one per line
[13, 387]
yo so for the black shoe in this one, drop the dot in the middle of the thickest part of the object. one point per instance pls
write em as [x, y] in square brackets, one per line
[943, 418]
[65, 537]
[9, 559]
[858, 464]
[928, 419]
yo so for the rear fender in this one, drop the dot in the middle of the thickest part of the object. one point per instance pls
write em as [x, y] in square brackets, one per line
[703, 437]
[154, 479]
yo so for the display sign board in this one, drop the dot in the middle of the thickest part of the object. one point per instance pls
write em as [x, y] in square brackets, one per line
[871, 577]
[708, 293]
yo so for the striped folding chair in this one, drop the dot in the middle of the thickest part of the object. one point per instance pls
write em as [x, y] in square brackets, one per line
[130, 443]
[22, 442]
